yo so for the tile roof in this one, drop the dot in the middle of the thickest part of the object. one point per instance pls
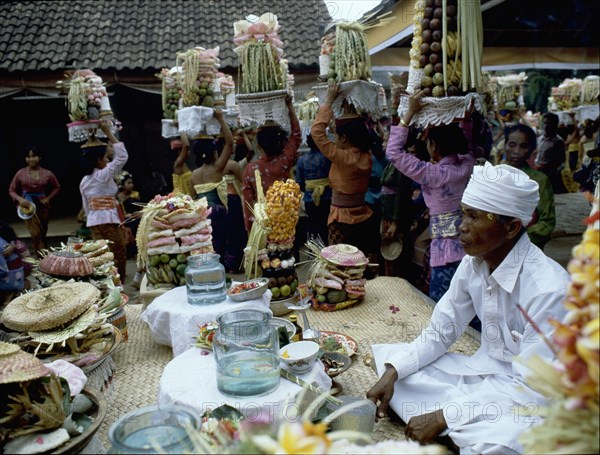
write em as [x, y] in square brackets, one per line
[143, 34]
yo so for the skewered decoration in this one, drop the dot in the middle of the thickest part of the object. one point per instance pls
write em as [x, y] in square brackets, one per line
[572, 422]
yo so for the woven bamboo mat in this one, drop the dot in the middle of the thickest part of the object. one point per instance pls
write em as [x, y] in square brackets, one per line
[140, 360]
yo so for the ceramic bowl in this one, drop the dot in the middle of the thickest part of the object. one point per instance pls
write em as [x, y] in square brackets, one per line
[300, 356]
[250, 294]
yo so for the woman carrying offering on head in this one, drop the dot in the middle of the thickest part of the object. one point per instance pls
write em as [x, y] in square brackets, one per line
[279, 154]
[98, 189]
[34, 186]
[208, 180]
[349, 218]
[443, 181]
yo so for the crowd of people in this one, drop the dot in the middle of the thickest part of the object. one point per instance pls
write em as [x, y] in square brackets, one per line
[369, 184]
[469, 206]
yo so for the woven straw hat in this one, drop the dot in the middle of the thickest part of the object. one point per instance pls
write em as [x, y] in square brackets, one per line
[49, 308]
[18, 366]
[344, 255]
[391, 248]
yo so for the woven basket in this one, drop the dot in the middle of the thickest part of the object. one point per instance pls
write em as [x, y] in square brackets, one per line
[119, 320]
[260, 108]
[19, 366]
[50, 307]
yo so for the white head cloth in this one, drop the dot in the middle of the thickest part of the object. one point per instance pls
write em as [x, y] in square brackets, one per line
[503, 190]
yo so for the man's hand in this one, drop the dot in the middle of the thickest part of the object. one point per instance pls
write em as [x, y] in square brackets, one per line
[218, 114]
[425, 428]
[383, 390]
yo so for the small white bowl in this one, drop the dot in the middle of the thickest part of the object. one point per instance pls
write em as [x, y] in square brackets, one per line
[300, 356]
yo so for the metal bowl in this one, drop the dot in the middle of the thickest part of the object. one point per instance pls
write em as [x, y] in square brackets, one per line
[250, 294]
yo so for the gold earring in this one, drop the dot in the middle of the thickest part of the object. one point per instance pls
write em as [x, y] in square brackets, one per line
[490, 216]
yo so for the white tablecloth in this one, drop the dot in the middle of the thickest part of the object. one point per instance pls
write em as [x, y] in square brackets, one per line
[173, 321]
[190, 380]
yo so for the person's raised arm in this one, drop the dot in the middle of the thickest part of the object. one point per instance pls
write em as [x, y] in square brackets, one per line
[293, 143]
[249, 146]
[120, 153]
[179, 167]
[319, 127]
[228, 148]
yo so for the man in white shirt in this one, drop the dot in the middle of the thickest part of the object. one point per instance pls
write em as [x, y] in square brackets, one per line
[483, 402]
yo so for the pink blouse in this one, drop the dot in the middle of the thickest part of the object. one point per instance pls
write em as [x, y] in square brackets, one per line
[46, 183]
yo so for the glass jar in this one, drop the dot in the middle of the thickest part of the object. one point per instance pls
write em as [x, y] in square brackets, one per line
[147, 429]
[205, 279]
[246, 348]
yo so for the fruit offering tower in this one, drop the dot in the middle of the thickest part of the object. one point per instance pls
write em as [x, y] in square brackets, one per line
[277, 262]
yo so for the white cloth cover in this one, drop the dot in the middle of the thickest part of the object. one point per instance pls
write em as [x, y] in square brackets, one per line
[258, 108]
[363, 95]
[582, 113]
[194, 120]
[80, 131]
[190, 380]
[503, 190]
[169, 129]
[173, 321]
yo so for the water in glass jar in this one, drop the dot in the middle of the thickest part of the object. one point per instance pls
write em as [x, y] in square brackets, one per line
[170, 439]
[247, 373]
[205, 280]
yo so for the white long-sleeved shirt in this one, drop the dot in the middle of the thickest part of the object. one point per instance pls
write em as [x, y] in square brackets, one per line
[101, 182]
[526, 277]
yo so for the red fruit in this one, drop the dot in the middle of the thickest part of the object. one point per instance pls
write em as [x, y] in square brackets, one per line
[428, 2]
[453, 90]
[433, 59]
[435, 24]
[436, 35]
[424, 49]
[436, 46]
[437, 3]
[428, 13]
[210, 337]
[423, 60]
[451, 11]
[438, 68]
[425, 24]
[427, 91]
[437, 13]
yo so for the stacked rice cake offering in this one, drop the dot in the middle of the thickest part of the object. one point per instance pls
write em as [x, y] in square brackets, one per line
[336, 277]
[61, 321]
[172, 227]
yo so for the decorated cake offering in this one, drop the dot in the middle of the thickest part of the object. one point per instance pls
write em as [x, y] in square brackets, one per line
[445, 60]
[87, 103]
[172, 227]
[172, 91]
[346, 52]
[508, 91]
[566, 96]
[270, 250]
[336, 276]
[265, 79]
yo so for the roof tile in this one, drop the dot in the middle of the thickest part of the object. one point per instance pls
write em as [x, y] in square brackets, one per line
[145, 34]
